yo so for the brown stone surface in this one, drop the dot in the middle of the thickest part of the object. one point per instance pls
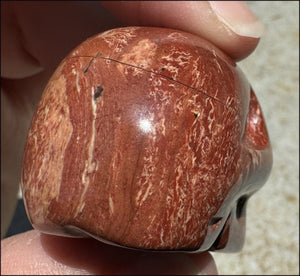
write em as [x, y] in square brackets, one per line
[146, 138]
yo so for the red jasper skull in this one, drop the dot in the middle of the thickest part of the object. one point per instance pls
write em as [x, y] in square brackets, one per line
[146, 138]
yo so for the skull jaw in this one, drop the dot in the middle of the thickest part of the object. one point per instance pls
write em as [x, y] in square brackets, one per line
[232, 236]
[228, 227]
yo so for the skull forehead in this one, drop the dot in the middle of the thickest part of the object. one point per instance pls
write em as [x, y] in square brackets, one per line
[178, 56]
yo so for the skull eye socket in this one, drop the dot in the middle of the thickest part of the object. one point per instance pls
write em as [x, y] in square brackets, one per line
[241, 206]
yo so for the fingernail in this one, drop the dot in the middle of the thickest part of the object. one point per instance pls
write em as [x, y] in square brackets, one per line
[238, 17]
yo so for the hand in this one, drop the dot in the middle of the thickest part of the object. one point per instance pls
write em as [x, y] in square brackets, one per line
[35, 38]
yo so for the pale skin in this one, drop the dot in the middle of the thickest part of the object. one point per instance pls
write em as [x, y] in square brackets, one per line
[35, 38]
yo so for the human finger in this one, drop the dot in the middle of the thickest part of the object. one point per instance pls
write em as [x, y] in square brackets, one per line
[36, 253]
[228, 24]
[36, 35]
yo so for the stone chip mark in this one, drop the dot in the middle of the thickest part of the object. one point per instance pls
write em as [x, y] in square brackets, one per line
[98, 92]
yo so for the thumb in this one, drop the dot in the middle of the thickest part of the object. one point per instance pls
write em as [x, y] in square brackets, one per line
[33, 253]
[230, 25]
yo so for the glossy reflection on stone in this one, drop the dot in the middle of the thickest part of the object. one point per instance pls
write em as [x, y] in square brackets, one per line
[146, 138]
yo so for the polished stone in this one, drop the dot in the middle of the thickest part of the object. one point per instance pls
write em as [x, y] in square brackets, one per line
[146, 138]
